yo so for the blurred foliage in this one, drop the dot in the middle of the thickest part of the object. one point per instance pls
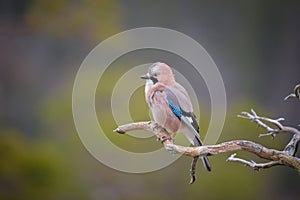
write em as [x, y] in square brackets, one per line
[34, 169]
[93, 20]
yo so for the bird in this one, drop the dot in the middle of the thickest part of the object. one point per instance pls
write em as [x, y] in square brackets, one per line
[171, 106]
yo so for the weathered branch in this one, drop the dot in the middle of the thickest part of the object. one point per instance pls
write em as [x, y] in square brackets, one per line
[254, 165]
[275, 157]
[271, 131]
[291, 147]
[193, 170]
[295, 94]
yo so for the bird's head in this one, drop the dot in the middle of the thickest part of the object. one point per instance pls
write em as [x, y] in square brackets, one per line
[159, 72]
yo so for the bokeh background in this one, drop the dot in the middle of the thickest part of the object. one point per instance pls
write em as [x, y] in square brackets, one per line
[255, 45]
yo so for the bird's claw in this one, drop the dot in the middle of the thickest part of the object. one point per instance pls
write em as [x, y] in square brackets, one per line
[167, 137]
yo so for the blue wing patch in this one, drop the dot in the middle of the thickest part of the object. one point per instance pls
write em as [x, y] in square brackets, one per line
[175, 109]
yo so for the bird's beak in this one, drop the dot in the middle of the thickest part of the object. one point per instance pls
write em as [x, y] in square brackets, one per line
[146, 76]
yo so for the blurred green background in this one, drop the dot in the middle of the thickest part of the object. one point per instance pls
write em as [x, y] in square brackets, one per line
[255, 45]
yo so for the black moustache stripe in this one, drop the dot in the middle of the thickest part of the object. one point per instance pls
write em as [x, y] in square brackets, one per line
[154, 80]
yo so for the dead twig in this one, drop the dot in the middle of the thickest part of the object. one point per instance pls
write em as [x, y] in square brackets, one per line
[295, 94]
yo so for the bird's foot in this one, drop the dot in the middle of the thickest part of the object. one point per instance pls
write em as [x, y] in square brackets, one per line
[167, 137]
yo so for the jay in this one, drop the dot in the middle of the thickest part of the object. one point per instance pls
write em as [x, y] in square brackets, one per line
[170, 105]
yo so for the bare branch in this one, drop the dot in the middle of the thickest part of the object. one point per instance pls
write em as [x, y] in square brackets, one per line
[279, 157]
[295, 94]
[159, 131]
[292, 146]
[162, 135]
[270, 131]
[254, 165]
[193, 170]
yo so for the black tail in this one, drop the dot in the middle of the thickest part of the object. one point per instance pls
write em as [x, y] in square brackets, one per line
[206, 163]
[205, 160]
